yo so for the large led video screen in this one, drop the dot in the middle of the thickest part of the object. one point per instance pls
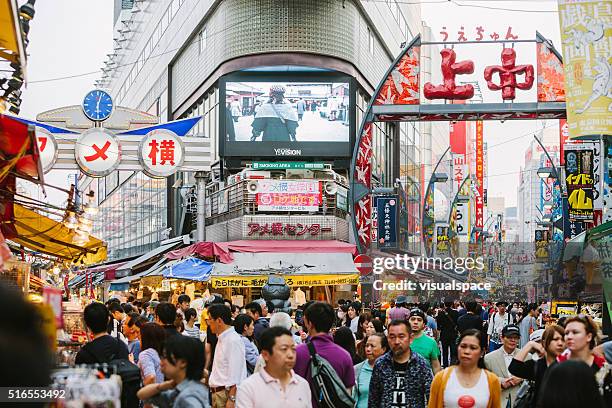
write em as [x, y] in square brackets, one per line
[287, 119]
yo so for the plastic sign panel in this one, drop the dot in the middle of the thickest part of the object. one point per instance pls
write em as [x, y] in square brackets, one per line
[97, 152]
[281, 165]
[461, 219]
[479, 175]
[386, 208]
[161, 153]
[288, 201]
[288, 186]
[585, 33]
[47, 148]
[579, 179]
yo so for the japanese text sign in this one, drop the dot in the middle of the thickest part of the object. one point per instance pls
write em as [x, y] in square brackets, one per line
[386, 208]
[288, 201]
[288, 186]
[586, 28]
[161, 153]
[579, 179]
[290, 280]
[98, 152]
[47, 148]
[479, 175]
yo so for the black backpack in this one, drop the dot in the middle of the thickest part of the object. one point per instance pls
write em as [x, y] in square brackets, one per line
[129, 373]
[328, 389]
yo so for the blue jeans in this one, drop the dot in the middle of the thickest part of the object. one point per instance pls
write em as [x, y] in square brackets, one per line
[493, 346]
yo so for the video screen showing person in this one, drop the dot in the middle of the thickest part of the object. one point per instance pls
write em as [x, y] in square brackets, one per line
[287, 112]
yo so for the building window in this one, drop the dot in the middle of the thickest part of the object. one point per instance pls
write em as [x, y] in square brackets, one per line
[202, 40]
[370, 41]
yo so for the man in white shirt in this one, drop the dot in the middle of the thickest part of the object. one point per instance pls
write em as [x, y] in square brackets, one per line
[497, 322]
[276, 385]
[229, 365]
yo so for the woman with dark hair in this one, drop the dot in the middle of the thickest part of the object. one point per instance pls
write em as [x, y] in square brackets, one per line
[569, 385]
[152, 338]
[374, 326]
[551, 346]
[183, 364]
[362, 324]
[344, 338]
[352, 320]
[467, 384]
[341, 315]
[245, 326]
[375, 346]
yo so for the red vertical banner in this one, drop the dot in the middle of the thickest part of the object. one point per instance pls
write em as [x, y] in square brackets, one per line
[563, 135]
[363, 175]
[479, 174]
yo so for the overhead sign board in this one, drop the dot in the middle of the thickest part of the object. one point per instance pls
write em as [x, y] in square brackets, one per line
[97, 152]
[387, 221]
[47, 147]
[161, 153]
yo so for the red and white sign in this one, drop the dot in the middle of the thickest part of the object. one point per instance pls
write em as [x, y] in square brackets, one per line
[161, 153]
[53, 297]
[97, 152]
[363, 263]
[479, 175]
[288, 201]
[47, 148]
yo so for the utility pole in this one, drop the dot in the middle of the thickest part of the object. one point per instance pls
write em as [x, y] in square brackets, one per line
[201, 206]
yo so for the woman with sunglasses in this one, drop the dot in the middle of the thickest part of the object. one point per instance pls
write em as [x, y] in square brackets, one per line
[547, 344]
[182, 363]
[467, 384]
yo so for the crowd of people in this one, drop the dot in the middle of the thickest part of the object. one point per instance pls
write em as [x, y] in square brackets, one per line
[453, 355]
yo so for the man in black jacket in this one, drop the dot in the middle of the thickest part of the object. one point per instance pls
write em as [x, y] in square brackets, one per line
[471, 320]
[447, 324]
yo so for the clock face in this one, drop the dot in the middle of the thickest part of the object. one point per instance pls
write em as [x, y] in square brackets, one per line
[97, 105]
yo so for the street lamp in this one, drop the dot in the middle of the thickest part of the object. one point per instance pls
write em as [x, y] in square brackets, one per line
[546, 172]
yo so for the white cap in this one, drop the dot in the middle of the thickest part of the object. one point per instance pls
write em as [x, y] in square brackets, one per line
[536, 335]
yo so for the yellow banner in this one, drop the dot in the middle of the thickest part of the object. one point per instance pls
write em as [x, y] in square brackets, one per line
[291, 280]
[586, 28]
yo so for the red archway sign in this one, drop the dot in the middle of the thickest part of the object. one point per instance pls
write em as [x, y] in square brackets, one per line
[398, 99]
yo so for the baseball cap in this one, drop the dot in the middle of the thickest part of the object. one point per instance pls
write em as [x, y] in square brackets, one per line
[536, 335]
[511, 330]
[417, 312]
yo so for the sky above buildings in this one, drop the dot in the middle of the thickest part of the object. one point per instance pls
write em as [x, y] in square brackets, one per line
[69, 40]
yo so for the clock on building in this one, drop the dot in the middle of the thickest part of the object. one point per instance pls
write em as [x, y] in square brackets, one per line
[98, 105]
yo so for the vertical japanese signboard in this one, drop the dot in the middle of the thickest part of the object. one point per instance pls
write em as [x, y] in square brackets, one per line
[458, 152]
[386, 208]
[579, 179]
[461, 219]
[586, 28]
[479, 175]
[442, 241]
[541, 244]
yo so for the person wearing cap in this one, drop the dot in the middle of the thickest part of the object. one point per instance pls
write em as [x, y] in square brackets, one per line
[528, 323]
[422, 344]
[276, 119]
[399, 311]
[499, 360]
[543, 346]
[497, 322]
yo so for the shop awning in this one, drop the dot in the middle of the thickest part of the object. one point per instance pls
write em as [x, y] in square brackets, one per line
[123, 284]
[47, 236]
[574, 247]
[11, 42]
[222, 250]
[107, 271]
[190, 269]
[298, 269]
[18, 149]
[142, 260]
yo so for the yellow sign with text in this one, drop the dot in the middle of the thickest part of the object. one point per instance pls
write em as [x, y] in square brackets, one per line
[291, 280]
[586, 28]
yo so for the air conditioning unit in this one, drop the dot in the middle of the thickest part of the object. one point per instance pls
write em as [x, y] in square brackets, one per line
[299, 174]
[340, 179]
[252, 187]
[330, 187]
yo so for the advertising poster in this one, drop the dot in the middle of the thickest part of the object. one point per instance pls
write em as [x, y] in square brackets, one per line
[586, 27]
[479, 175]
[579, 179]
[442, 241]
[541, 244]
[386, 208]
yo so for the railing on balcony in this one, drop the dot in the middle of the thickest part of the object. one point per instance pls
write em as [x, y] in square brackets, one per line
[235, 201]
